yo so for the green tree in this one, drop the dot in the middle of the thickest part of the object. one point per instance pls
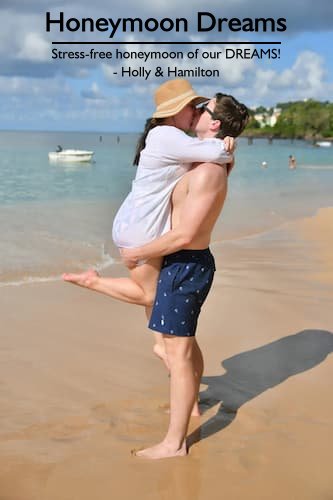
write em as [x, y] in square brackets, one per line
[301, 119]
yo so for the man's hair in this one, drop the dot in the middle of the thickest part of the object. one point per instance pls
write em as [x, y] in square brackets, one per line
[232, 114]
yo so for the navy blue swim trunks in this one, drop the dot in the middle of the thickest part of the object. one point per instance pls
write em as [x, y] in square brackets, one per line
[185, 279]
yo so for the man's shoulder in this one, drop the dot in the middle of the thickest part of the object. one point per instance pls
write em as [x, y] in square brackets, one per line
[209, 170]
[207, 176]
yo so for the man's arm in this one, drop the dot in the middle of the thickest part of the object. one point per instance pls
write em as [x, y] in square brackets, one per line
[207, 186]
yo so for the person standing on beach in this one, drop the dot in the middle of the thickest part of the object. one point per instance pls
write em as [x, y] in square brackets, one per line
[187, 272]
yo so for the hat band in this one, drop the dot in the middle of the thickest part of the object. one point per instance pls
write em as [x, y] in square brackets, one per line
[167, 103]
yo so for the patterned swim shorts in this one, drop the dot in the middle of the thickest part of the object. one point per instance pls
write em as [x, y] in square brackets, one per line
[184, 282]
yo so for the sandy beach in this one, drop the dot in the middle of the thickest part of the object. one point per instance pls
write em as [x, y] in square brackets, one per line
[79, 386]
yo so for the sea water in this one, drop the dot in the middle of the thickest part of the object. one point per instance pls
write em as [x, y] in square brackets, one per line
[57, 217]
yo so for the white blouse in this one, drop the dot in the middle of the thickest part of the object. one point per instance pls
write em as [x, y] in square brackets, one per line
[145, 213]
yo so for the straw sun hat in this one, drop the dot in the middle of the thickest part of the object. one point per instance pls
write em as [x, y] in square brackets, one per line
[172, 96]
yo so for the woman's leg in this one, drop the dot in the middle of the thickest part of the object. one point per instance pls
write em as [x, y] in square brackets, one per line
[159, 347]
[198, 364]
[139, 288]
[160, 351]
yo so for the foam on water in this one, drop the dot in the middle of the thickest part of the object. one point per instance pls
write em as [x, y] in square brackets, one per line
[29, 280]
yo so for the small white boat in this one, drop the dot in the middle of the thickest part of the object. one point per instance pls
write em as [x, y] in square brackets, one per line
[71, 155]
[324, 144]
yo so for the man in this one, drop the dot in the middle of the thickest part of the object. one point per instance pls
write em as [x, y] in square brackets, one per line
[187, 272]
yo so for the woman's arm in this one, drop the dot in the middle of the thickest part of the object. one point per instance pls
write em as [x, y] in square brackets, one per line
[177, 147]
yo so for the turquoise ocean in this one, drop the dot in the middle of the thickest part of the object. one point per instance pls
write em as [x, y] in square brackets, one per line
[58, 217]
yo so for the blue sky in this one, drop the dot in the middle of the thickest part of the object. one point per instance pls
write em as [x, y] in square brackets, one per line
[39, 93]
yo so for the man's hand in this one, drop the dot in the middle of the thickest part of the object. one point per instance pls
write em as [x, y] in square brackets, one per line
[229, 144]
[128, 258]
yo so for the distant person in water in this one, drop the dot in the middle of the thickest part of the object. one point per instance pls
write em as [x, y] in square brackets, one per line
[292, 162]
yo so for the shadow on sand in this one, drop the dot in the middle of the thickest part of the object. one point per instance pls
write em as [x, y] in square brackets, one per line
[251, 373]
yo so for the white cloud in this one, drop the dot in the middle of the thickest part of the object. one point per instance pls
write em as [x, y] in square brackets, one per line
[310, 72]
[304, 79]
[30, 87]
[34, 48]
[93, 93]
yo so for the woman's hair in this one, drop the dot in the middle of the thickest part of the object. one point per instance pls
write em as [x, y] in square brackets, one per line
[232, 114]
[141, 144]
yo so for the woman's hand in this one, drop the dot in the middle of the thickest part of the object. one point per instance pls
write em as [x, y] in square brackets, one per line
[229, 144]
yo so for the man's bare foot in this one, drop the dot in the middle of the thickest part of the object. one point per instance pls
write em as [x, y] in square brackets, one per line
[87, 279]
[161, 450]
[160, 353]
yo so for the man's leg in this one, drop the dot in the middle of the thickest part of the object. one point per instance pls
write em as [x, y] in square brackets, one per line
[159, 350]
[183, 391]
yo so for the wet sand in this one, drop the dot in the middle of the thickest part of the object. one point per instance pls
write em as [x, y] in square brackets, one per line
[79, 387]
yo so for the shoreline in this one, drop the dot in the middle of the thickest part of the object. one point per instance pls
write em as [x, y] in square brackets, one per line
[254, 134]
[221, 235]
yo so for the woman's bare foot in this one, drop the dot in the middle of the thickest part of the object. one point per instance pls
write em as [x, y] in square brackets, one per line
[161, 450]
[88, 279]
[196, 410]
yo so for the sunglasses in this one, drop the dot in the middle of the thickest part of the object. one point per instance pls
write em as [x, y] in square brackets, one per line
[204, 108]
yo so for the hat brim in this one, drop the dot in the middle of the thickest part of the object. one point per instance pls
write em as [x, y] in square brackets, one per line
[173, 110]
